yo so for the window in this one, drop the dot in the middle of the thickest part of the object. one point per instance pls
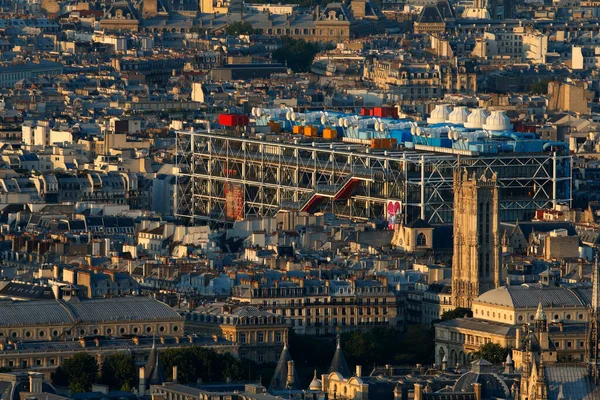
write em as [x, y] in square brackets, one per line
[261, 337]
[421, 240]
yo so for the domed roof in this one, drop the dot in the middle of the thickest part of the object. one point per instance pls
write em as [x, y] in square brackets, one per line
[476, 119]
[498, 121]
[439, 114]
[316, 384]
[459, 115]
[492, 386]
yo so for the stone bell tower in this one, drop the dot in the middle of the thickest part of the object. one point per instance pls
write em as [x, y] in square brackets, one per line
[476, 258]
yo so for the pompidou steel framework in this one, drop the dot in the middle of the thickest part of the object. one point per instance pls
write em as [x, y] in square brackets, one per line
[223, 177]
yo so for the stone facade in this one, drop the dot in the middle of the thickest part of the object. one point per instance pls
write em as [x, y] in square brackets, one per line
[476, 259]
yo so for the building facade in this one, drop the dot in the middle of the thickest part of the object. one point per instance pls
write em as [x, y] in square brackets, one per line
[260, 334]
[323, 307]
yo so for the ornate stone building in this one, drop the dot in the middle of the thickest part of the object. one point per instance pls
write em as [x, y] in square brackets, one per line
[476, 259]
[259, 333]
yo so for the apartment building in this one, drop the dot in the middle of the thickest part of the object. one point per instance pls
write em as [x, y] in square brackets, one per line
[516, 45]
[316, 307]
[259, 333]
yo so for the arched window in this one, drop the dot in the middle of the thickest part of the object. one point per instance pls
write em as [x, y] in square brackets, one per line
[421, 240]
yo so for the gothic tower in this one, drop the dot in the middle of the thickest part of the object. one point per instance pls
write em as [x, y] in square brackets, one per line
[476, 259]
[591, 350]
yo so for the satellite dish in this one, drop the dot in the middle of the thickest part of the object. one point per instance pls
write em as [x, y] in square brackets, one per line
[455, 135]
[253, 111]
[381, 126]
[293, 116]
[258, 112]
[287, 115]
[346, 124]
[413, 130]
[323, 120]
[340, 121]
[450, 134]
[419, 131]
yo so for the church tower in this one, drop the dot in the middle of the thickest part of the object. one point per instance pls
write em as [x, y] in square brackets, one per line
[476, 258]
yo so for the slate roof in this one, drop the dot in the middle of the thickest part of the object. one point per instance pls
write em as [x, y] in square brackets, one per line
[122, 309]
[52, 312]
[43, 312]
[338, 363]
[528, 296]
[279, 380]
[418, 224]
[574, 380]
[25, 291]
[496, 328]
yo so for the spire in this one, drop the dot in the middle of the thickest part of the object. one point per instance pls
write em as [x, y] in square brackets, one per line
[509, 365]
[561, 394]
[540, 315]
[281, 377]
[155, 375]
[338, 364]
[540, 322]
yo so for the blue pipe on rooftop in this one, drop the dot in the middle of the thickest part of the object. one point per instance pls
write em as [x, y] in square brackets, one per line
[548, 145]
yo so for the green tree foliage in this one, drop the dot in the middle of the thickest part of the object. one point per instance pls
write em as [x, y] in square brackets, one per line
[310, 353]
[200, 363]
[239, 28]
[78, 373]
[297, 53]
[119, 372]
[540, 87]
[458, 312]
[386, 345]
[492, 352]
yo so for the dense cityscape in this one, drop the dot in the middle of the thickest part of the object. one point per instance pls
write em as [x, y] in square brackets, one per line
[354, 200]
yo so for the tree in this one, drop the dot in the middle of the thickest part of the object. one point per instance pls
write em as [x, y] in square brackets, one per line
[297, 53]
[458, 312]
[198, 362]
[385, 345]
[78, 373]
[540, 87]
[118, 372]
[239, 28]
[492, 352]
